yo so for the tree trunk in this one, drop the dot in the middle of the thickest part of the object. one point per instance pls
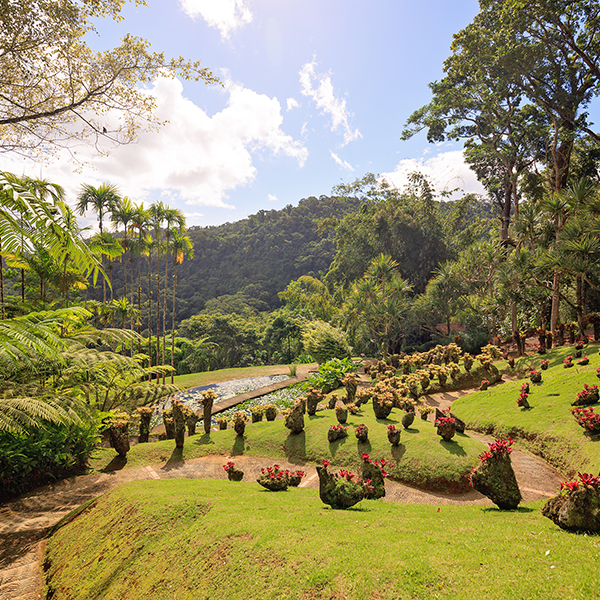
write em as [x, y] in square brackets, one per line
[164, 325]
[150, 310]
[173, 323]
[158, 313]
[555, 303]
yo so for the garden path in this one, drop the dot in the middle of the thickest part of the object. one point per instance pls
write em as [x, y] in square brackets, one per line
[25, 522]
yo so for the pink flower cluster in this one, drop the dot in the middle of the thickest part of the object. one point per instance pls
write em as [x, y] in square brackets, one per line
[568, 362]
[497, 448]
[230, 466]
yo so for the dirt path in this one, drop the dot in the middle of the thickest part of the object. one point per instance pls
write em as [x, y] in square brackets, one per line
[24, 523]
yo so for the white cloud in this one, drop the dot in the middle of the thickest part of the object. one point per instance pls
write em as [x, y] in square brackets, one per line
[224, 15]
[446, 171]
[344, 164]
[292, 103]
[273, 198]
[195, 159]
[325, 98]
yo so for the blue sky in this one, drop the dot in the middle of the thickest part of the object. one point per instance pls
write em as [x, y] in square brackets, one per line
[316, 93]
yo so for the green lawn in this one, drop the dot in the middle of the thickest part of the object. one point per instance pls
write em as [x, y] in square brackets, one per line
[548, 428]
[218, 540]
[422, 458]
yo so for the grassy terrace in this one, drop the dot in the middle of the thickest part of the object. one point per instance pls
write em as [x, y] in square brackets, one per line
[214, 539]
[422, 458]
[547, 428]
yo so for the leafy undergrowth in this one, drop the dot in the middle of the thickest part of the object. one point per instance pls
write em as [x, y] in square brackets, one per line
[214, 539]
[422, 459]
[548, 429]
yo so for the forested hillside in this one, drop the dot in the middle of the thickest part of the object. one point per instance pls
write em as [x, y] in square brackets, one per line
[266, 251]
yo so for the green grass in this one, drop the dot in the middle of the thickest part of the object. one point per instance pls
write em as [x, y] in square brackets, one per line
[207, 377]
[218, 540]
[548, 428]
[422, 459]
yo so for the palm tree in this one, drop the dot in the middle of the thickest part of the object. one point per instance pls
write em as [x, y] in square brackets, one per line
[157, 216]
[181, 247]
[139, 223]
[122, 215]
[175, 222]
[102, 200]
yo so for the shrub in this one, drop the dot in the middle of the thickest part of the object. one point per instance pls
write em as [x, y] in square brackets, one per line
[325, 342]
[40, 456]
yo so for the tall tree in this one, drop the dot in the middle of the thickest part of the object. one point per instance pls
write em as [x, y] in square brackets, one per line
[101, 200]
[56, 89]
[181, 247]
[174, 220]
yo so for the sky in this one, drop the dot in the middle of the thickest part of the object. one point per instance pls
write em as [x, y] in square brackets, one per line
[315, 93]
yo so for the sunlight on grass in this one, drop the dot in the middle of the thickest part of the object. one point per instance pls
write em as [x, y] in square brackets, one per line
[207, 539]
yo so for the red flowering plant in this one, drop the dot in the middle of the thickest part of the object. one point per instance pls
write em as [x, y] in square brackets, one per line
[544, 364]
[380, 464]
[230, 466]
[274, 478]
[585, 480]
[522, 400]
[336, 432]
[587, 418]
[497, 448]
[584, 361]
[598, 372]
[588, 395]
[362, 433]
[444, 421]
[351, 477]
[568, 362]
[525, 388]
[233, 474]
[535, 376]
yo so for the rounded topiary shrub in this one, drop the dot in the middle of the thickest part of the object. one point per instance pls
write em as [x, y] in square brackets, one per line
[324, 342]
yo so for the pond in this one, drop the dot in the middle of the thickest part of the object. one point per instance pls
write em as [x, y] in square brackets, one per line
[224, 390]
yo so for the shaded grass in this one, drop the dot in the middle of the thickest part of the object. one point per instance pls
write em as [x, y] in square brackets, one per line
[422, 459]
[214, 539]
[547, 428]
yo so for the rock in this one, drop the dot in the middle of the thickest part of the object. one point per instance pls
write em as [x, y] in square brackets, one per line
[446, 430]
[495, 478]
[577, 510]
[235, 475]
[313, 398]
[459, 424]
[408, 419]
[295, 420]
[394, 436]
[178, 423]
[119, 437]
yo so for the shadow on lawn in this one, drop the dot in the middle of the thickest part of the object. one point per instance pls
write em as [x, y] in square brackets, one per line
[453, 446]
[295, 447]
[175, 460]
[519, 509]
[116, 464]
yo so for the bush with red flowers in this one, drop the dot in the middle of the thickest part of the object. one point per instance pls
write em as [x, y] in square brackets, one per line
[375, 472]
[577, 507]
[233, 474]
[495, 478]
[588, 419]
[587, 396]
[274, 478]
[341, 490]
